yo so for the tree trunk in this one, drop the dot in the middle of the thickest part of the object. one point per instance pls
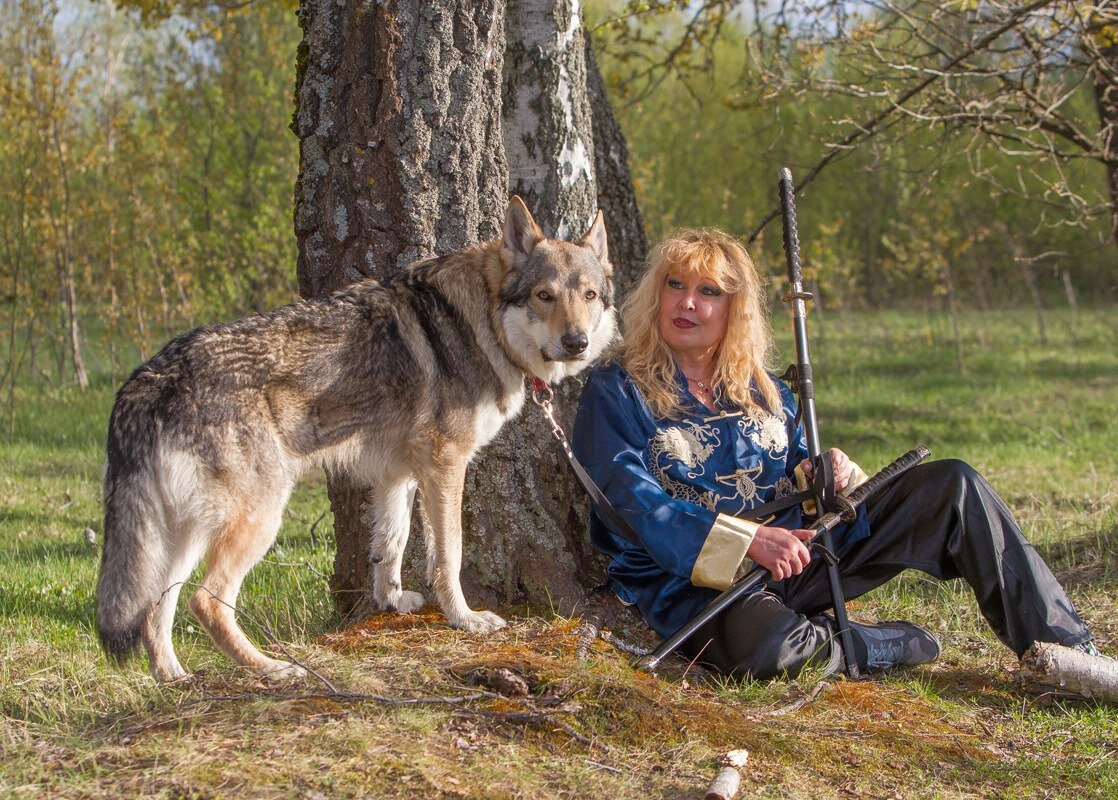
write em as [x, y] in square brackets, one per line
[546, 115]
[381, 185]
[1106, 101]
[525, 515]
[400, 158]
[69, 284]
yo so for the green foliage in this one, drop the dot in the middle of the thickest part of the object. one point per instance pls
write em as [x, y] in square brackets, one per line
[906, 217]
[152, 162]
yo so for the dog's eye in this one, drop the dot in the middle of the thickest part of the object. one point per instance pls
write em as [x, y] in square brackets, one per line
[545, 295]
[591, 295]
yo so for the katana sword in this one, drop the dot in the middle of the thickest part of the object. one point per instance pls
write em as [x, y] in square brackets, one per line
[804, 385]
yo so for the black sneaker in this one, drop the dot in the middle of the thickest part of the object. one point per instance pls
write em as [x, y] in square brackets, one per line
[893, 644]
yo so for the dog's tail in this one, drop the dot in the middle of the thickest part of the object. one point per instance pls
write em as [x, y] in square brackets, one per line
[133, 553]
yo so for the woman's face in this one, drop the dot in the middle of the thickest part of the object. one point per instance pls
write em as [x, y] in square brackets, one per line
[693, 315]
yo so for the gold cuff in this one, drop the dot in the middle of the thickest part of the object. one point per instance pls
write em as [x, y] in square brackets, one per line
[723, 552]
[857, 477]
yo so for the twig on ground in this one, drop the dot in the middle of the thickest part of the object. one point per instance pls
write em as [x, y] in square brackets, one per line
[345, 697]
[314, 525]
[606, 767]
[588, 631]
[306, 564]
[624, 646]
[261, 625]
[536, 717]
[810, 697]
[342, 697]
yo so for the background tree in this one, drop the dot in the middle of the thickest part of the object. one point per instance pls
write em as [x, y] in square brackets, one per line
[733, 91]
[1034, 80]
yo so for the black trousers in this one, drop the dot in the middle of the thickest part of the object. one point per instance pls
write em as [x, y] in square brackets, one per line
[941, 518]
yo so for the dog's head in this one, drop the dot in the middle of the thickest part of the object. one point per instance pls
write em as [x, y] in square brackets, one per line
[556, 297]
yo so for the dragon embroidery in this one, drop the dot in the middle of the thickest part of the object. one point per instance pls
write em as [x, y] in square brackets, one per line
[765, 430]
[691, 446]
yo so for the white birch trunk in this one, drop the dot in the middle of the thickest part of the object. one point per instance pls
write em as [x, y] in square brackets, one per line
[546, 117]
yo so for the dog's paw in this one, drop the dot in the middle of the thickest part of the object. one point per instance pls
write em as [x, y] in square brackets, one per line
[480, 622]
[172, 677]
[409, 602]
[403, 602]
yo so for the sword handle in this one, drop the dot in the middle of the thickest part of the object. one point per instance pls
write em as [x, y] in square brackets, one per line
[791, 231]
[902, 464]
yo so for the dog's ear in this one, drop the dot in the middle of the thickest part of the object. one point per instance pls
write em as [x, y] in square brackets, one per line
[595, 239]
[521, 231]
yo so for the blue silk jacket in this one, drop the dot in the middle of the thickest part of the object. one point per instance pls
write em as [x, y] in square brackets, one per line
[683, 485]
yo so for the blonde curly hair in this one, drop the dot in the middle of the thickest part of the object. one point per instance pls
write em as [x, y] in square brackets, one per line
[741, 358]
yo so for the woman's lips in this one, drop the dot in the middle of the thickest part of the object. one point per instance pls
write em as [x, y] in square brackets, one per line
[680, 322]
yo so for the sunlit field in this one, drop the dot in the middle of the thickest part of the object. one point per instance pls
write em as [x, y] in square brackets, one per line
[1036, 417]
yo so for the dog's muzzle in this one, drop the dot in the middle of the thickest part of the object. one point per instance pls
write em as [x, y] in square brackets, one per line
[574, 345]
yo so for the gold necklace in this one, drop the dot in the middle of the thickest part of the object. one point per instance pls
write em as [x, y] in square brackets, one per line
[703, 385]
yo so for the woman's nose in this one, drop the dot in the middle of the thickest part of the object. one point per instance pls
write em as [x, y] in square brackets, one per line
[687, 301]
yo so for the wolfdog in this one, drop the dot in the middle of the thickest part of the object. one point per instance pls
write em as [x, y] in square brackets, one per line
[395, 384]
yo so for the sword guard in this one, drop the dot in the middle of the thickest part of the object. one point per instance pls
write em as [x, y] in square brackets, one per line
[802, 294]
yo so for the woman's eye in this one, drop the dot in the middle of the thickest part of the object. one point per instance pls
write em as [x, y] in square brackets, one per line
[675, 284]
[712, 291]
[544, 295]
[591, 295]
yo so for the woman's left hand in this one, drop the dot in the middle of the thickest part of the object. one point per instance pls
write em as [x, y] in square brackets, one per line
[842, 464]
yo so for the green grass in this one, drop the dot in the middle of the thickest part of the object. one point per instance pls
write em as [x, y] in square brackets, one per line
[1037, 419]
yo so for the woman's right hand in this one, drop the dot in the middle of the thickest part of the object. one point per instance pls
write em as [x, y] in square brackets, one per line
[780, 551]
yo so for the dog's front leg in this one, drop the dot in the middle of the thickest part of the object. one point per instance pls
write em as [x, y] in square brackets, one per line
[392, 504]
[441, 488]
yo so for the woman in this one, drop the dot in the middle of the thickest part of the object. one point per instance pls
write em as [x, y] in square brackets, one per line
[686, 433]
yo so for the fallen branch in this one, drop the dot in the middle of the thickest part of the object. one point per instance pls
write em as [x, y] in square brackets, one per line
[727, 783]
[624, 646]
[1068, 670]
[131, 732]
[344, 697]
